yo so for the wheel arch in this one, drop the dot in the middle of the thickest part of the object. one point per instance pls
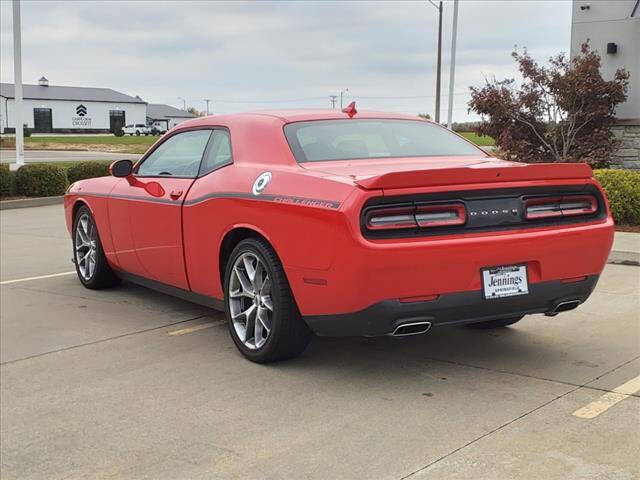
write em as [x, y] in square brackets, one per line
[229, 241]
[77, 205]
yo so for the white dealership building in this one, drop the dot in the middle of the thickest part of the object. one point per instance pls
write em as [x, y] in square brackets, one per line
[613, 30]
[57, 109]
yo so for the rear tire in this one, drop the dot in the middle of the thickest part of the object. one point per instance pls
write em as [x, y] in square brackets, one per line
[88, 256]
[505, 322]
[262, 315]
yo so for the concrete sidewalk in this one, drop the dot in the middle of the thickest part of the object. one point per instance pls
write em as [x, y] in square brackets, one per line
[626, 249]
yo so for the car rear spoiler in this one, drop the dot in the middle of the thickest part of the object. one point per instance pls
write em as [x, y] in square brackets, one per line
[476, 174]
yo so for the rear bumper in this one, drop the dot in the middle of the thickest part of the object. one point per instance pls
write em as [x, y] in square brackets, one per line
[450, 309]
[365, 273]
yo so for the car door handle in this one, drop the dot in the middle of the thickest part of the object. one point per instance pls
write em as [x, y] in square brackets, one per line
[175, 194]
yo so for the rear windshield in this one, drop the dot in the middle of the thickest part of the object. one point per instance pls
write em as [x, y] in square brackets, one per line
[352, 139]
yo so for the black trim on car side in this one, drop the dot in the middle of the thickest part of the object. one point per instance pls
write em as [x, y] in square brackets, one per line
[287, 199]
[187, 295]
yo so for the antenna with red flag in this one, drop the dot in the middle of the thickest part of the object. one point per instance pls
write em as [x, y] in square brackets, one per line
[350, 109]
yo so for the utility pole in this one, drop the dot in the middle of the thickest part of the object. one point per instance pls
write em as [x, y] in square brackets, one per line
[207, 100]
[452, 73]
[17, 75]
[341, 94]
[437, 113]
[439, 61]
[333, 99]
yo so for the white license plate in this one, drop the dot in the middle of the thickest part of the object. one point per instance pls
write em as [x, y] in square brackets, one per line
[507, 281]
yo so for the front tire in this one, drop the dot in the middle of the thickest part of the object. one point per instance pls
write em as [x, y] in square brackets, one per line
[505, 322]
[91, 265]
[262, 316]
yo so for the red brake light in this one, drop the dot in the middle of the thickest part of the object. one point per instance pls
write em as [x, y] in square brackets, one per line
[441, 215]
[413, 217]
[550, 207]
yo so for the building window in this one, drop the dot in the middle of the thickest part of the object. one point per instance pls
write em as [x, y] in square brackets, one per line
[116, 119]
[42, 121]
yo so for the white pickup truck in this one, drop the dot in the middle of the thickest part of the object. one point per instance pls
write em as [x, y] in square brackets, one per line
[137, 129]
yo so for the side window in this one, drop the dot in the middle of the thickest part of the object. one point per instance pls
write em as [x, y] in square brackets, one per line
[178, 156]
[219, 153]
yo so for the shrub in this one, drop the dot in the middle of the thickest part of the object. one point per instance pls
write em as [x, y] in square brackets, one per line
[118, 132]
[623, 192]
[26, 131]
[84, 170]
[41, 180]
[5, 180]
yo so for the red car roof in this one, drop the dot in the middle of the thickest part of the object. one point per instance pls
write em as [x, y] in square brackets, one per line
[287, 116]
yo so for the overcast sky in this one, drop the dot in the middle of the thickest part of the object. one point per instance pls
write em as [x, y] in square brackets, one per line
[256, 55]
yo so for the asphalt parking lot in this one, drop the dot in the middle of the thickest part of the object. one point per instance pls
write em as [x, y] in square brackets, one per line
[129, 383]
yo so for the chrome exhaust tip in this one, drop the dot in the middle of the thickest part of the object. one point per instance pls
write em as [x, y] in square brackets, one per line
[413, 328]
[563, 307]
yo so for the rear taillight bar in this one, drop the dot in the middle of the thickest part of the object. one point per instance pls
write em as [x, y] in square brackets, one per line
[441, 215]
[555, 207]
[389, 218]
[421, 216]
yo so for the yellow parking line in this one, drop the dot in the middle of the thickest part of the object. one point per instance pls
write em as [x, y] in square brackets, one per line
[28, 279]
[609, 399]
[195, 328]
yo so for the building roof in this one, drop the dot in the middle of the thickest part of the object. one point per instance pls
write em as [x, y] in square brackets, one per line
[159, 111]
[55, 92]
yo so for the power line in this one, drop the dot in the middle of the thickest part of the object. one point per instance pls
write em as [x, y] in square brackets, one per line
[405, 97]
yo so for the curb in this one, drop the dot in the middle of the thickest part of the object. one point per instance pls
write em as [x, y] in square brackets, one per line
[31, 202]
[620, 257]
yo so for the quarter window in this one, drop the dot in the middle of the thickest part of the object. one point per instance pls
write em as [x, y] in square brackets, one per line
[178, 156]
[219, 153]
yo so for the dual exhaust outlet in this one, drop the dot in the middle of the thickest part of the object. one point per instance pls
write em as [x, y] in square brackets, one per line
[421, 327]
[563, 307]
[413, 328]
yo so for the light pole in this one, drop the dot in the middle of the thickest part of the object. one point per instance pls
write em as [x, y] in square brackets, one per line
[17, 75]
[452, 73]
[342, 92]
[333, 99]
[207, 100]
[184, 103]
[439, 62]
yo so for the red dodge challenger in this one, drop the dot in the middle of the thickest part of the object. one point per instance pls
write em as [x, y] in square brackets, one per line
[341, 223]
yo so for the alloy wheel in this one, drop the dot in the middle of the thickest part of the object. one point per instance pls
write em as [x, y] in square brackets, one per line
[250, 301]
[85, 246]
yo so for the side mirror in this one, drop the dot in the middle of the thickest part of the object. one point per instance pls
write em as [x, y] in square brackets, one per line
[121, 168]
